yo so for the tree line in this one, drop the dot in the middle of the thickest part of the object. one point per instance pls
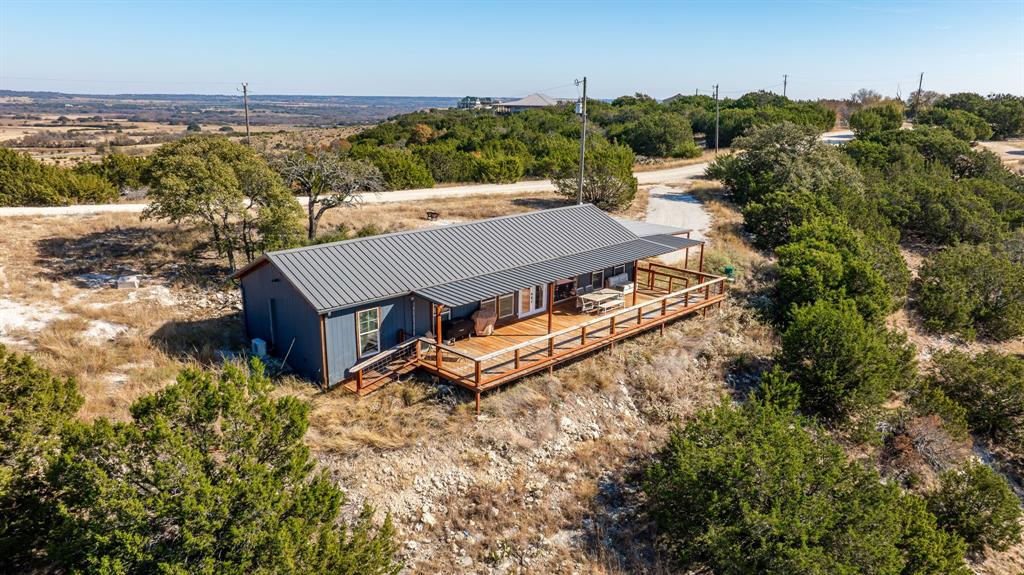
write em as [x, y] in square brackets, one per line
[764, 487]
[209, 475]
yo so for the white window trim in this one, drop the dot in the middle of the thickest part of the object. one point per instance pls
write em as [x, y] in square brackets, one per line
[361, 334]
[619, 270]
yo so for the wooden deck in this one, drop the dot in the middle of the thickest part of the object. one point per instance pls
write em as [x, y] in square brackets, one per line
[518, 349]
[565, 316]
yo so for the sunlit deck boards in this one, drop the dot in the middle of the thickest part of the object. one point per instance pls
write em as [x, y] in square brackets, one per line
[565, 315]
[527, 346]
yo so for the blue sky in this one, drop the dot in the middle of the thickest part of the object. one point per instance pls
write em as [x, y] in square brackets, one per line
[828, 49]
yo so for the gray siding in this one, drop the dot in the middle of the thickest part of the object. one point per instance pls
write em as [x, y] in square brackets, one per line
[342, 343]
[295, 320]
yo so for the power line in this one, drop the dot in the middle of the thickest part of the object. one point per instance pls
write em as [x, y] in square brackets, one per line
[583, 136]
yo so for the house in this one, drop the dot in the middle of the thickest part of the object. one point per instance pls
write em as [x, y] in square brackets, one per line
[526, 103]
[474, 103]
[478, 304]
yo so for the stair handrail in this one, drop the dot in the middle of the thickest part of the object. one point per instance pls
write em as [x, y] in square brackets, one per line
[383, 355]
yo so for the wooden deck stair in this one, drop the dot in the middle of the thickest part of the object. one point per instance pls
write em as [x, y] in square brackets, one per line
[378, 377]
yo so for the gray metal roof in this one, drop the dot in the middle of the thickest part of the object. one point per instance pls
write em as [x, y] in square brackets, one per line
[532, 101]
[342, 274]
[644, 229]
[477, 288]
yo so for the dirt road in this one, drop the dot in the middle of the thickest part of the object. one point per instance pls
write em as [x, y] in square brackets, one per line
[667, 176]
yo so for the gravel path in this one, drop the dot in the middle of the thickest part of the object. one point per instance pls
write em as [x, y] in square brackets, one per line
[666, 176]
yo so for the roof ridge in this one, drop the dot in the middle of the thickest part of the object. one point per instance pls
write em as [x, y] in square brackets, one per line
[316, 247]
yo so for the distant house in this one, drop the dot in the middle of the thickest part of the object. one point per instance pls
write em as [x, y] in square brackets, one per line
[527, 103]
[474, 103]
[478, 304]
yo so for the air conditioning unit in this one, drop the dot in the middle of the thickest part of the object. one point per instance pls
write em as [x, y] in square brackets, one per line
[259, 347]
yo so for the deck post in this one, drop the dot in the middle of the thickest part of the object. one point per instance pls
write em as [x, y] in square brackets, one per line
[437, 322]
[478, 402]
[359, 380]
[478, 374]
[700, 267]
[686, 258]
[664, 306]
[583, 335]
[551, 305]
[661, 326]
[670, 278]
[517, 357]
[611, 330]
[636, 280]
[419, 350]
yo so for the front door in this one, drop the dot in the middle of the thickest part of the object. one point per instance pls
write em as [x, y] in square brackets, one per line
[533, 300]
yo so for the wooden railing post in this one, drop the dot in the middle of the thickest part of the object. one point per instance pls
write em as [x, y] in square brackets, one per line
[670, 278]
[517, 358]
[419, 350]
[611, 329]
[551, 346]
[664, 306]
[478, 374]
[359, 380]
[639, 315]
[583, 335]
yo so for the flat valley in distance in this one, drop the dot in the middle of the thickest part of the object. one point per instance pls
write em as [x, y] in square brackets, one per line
[65, 129]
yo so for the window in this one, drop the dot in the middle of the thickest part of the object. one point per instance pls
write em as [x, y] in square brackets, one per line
[597, 279]
[619, 270]
[506, 305]
[446, 314]
[489, 306]
[368, 330]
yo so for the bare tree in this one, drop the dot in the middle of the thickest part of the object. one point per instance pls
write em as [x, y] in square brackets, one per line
[329, 181]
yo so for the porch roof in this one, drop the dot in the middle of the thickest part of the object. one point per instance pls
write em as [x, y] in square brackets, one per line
[476, 288]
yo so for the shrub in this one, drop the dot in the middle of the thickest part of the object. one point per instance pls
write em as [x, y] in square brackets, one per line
[661, 134]
[34, 406]
[842, 364]
[210, 474]
[499, 170]
[990, 389]
[964, 125]
[976, 503]
[447, 164]
[608, 182]
[828, 260]
[401, 169]
[28, 182]
[760, 490]
[877, 119]
[973, 290]
[1003, 112]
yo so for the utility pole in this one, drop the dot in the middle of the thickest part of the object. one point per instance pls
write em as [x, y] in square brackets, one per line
[583, 136]
[716, 119]
[245, 102]
[917, 99]
[785, 83]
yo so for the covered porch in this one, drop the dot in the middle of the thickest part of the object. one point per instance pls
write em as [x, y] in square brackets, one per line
[662, 293]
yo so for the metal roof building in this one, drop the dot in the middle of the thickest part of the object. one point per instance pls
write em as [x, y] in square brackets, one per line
[307, 302]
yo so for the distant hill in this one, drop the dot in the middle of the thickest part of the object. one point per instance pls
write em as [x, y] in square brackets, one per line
[184, 108]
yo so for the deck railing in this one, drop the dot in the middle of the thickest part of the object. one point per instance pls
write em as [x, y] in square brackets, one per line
[479, 371]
